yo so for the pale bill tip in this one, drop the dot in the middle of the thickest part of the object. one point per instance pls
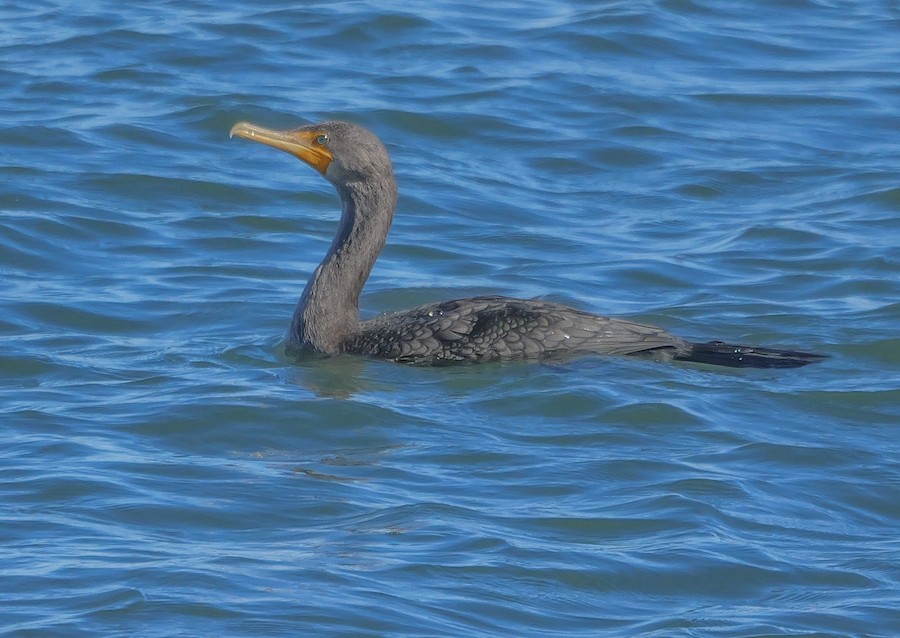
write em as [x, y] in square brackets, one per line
[240, 127]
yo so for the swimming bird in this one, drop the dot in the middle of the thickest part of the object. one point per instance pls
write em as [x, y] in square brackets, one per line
[477, 329]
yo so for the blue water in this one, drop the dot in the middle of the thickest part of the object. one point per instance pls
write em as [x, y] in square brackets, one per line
[727, 170]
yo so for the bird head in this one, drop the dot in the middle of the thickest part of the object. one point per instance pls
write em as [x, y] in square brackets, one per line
[340, 151]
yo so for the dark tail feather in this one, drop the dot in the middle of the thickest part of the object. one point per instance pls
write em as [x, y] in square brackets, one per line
[725, 354]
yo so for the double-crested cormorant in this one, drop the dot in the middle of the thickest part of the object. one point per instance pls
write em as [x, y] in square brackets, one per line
[466, 330]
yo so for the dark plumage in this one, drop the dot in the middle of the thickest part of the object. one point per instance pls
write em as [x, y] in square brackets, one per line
[495, 328]
[463, 331]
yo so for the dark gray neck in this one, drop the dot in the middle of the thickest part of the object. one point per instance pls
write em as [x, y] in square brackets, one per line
[329, 309]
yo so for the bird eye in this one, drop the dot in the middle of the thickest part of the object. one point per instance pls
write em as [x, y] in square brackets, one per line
[322, 139]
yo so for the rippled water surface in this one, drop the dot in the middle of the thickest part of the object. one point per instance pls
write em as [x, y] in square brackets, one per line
[728, 170]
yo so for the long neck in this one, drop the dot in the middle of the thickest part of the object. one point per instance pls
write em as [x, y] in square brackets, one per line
[329, 308]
